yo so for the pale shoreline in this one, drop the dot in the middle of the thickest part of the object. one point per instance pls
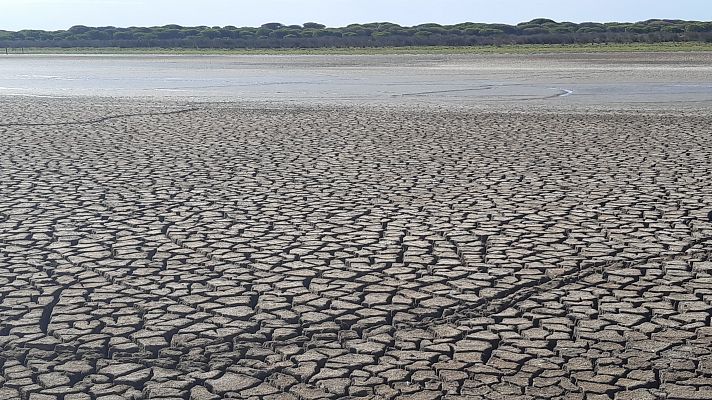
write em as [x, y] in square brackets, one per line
[556, 80]
[503, 49]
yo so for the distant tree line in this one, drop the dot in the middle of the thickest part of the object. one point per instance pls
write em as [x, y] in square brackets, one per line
[313, 35]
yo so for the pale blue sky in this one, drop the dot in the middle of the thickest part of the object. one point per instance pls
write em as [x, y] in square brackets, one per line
[61, 14]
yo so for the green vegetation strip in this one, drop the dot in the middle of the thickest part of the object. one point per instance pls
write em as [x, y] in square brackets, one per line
[507, 49]
[311, 35]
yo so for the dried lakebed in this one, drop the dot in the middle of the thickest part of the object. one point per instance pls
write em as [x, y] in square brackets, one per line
[581, 79]
[208, 251]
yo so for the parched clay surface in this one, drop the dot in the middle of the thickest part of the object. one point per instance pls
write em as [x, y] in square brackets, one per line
[156, 250]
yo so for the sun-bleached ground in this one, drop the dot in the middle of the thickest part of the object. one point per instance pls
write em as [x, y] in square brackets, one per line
[295, 249]
[612, 79]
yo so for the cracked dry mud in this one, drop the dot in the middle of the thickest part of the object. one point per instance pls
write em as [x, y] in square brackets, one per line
[220, 251]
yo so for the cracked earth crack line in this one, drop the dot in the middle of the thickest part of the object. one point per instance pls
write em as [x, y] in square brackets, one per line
[99, 120]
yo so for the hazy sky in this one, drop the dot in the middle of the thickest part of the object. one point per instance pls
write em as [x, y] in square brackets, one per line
[61, 14]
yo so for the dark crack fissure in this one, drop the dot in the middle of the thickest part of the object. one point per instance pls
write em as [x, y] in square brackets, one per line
[48, 309]
[99, 120]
